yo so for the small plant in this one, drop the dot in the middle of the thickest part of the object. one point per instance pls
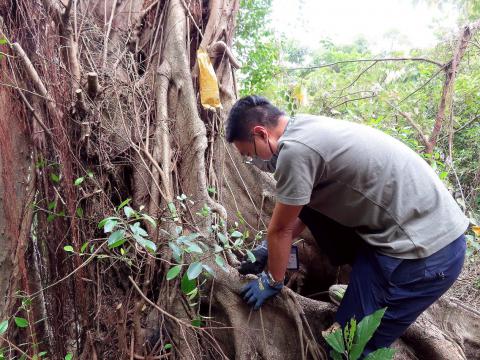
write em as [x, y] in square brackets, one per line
[350, 342]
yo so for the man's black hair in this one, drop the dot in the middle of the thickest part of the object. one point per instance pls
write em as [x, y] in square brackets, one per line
[248, 112]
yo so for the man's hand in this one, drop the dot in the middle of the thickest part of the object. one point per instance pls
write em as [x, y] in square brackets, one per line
[257, 291]
[256, 267]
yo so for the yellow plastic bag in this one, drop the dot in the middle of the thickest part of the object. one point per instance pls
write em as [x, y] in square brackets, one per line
[209, 94]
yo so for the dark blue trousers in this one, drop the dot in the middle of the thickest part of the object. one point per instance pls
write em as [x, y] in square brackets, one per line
[405, 287]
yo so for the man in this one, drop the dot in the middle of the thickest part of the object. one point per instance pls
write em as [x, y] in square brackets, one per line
[378, 201]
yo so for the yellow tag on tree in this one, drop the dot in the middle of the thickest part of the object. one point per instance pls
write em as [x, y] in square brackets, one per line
[476, 230]
[209, 94]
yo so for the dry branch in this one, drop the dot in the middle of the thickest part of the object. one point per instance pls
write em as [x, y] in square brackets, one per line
[421, 134]
[366, 60]
[451, 73]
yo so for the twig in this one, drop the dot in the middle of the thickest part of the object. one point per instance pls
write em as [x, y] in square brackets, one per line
[354, 99]
[85, 263]
[423, 137]
[359, 76]
[365, 60]
[107, 34]
[191, 18]
[424, 84]
[166, 313]
[15, 347]
[54, 8]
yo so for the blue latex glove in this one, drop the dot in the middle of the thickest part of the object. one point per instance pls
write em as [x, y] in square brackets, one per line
[261, 257]
[257, 291]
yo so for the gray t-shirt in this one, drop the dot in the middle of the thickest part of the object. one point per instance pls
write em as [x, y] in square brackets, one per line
[365, 179]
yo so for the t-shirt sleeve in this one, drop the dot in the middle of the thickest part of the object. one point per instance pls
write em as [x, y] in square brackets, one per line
[298, 169]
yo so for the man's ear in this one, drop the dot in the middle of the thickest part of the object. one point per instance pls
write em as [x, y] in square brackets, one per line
[261, 131]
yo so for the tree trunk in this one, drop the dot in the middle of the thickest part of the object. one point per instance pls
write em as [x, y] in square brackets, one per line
[100, 103]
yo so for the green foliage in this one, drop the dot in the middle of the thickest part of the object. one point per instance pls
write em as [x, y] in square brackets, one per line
[173, 272]
[256, 46]
[3, 326]
[20, 322]
[350, 342]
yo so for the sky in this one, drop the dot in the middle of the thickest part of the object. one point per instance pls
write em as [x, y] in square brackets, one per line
[343, 21]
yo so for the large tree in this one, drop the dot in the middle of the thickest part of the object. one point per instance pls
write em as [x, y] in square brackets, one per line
[100, 104]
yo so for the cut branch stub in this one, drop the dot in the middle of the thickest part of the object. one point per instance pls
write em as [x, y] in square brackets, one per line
[80, 105]
[92, 85]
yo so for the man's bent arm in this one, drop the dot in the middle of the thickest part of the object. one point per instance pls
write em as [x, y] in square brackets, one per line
[297, 228]
[280, 236]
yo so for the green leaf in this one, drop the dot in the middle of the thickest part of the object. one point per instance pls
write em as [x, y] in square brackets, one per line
[3, 41]
[218, 248]
[173, 272]
[187, 239]
[335, 340]
[21, 322]
[193, 294]
[51, 217]
[129, 212]
[52, 205]
[381, 354]
[335, 355]
[147, 244]
[55, 178]
[110, 225]
[238, 242]
[208, 269]
[195, 248]
[69, 356]
[187, 285]
[220, 262]
[124, 202]
[138, 230]
[102, 223]
[150, 219]
[350, 334]
[68, 248]
[3, 326]
[42, 353]
[167, 346]
[236, 234]
[116, 239]
[84, 247]
[173, 210]
[365, 330]
[222, 238]
[194, 270]
[79, 212]
[79, 180]
[177, 252]
[197, 322]
[251, 256]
